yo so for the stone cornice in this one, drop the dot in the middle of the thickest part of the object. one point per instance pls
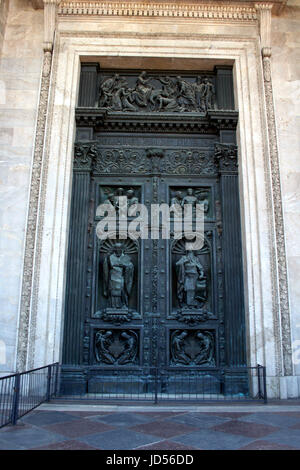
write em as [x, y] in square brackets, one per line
[218, 10]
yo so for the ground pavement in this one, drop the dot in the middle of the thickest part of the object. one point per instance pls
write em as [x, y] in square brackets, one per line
[83, 427]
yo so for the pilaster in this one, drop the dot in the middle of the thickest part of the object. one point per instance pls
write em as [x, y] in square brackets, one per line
[265, 19]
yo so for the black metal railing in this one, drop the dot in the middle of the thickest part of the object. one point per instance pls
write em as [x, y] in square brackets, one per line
[159, 385]
[24, 391]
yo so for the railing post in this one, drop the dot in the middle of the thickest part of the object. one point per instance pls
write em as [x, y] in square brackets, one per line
[56, 379]
[48, 394]
[265, 385]
[156, 386]
[260, 395]
[16, 399]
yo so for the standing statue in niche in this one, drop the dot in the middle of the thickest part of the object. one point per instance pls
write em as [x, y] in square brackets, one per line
[118, 273]
[191, 281]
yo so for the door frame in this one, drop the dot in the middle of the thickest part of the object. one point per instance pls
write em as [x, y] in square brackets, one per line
[263, 324]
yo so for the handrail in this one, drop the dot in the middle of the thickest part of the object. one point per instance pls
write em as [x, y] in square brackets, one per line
[21, 392]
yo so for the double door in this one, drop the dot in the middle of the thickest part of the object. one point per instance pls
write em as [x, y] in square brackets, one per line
[137, 295]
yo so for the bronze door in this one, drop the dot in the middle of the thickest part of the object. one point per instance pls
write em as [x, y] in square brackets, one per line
[137, 304]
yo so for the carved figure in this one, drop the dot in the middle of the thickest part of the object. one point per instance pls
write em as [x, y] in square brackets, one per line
[177, 348]
[143, 90]
[209, 93]
[199, 87]
[202, 199]
[110, 199]
[118, 273]
[130, 347]
[177, 199]
[103, 340]
[187, 95]
[189, 198]
[106, 91]
[167, 96]
[205, 355]
[131, 199]
[191, 281]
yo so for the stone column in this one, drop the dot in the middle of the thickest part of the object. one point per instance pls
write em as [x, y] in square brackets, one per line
[265, 18]
[50, 11]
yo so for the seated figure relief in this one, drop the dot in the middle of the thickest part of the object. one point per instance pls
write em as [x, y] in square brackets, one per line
[174, 95]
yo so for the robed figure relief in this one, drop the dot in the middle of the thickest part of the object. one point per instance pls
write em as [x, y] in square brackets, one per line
[118, 271]
[191, 281]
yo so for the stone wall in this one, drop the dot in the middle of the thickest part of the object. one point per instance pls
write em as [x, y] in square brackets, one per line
[20, 69]
[3, 18]
[286, 84]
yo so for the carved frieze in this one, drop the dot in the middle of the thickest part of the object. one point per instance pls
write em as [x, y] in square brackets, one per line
[136, 160]
[159, 94]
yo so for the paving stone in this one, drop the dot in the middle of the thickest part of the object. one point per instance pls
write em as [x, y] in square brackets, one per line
[67, 445]
[266, 445]
[160, 414]
[119, 439]
[224, 414]
[124, 419]
[78, 428]
[212, 440]
[87, 414]
[272, 419]
[164, 428]
[166, 445]
[34, 437]
[246, 429]
[286, 436]
[42, 418]
[198, 420]
[7, 445]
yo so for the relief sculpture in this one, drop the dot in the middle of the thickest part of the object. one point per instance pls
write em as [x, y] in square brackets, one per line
[117, 271]
[192, 347]
[191, 281]
[190, 196]
[118, 347]
[191, 275]
[158, 94]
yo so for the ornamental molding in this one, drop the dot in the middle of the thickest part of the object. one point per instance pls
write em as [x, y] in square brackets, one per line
[152, 9]
[219, 10]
